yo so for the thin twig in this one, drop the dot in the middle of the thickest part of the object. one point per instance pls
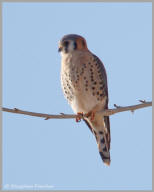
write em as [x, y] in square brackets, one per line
[107, 112]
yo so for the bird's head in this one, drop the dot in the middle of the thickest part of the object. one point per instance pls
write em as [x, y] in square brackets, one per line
[72, 42]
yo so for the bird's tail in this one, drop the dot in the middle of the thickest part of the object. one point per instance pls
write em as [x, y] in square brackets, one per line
[102, 134]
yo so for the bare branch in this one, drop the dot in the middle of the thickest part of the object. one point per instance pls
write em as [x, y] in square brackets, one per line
[107, 112]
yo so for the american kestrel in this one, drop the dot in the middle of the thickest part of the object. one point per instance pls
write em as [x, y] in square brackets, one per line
[84, 83]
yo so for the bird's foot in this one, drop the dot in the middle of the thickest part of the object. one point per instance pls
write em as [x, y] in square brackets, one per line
[91, 114]
[79, 117]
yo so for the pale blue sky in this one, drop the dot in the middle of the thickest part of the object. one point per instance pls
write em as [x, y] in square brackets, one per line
[63, 153]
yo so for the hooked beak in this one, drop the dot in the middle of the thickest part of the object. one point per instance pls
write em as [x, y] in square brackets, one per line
[59, 49]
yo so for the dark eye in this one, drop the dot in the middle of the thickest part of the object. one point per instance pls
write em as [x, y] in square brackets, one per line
[66, 43]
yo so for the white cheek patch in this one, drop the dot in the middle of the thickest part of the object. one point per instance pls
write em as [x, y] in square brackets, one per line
[62, 53]
[71, 46]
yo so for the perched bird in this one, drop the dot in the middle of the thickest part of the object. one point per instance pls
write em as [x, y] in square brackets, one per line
[84, 83]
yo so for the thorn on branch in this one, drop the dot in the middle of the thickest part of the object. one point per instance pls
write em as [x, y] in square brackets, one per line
[117, 106]
[46, 118]
[142, 101]
[15, 109]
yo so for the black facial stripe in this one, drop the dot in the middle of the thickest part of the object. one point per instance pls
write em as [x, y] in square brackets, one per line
[75, 45]
[65, 49]
[65, 45]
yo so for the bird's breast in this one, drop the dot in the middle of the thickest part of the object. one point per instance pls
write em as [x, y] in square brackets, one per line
[78, 84]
